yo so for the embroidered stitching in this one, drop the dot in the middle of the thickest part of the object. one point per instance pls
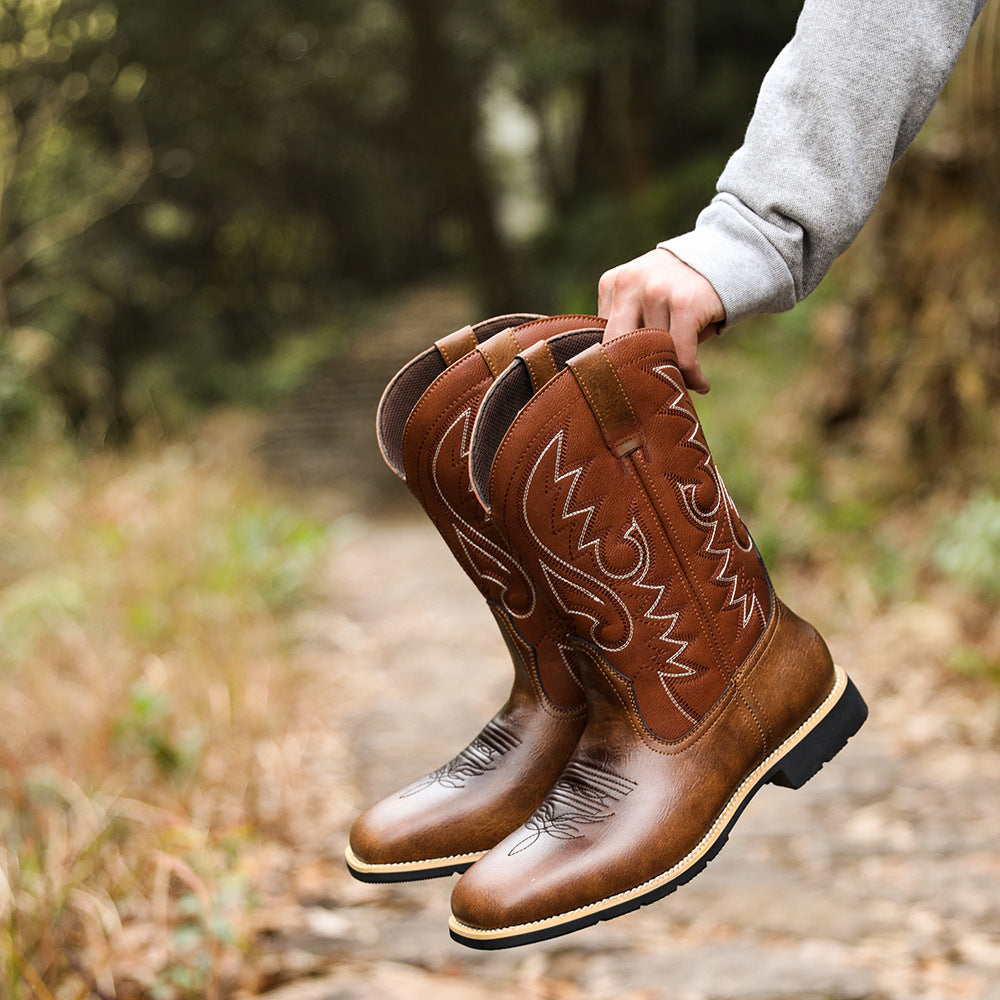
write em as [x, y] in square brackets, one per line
[839, 685]
[563, 587]
[487, 559]
[564, 654]
[475, 760]
[582, 796]
[748, 601]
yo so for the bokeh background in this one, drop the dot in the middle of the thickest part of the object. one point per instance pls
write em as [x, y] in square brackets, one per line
[222, 228]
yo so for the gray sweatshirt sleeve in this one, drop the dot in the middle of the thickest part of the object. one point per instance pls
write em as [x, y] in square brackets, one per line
[839, 106]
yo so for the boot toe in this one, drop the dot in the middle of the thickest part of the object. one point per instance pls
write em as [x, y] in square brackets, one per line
[376, 838]
[486, 898]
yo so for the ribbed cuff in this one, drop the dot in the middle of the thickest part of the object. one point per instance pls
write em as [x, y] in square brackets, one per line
[748, 273]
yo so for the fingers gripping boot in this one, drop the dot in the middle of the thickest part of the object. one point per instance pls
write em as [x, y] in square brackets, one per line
[445, 820]
[701, 685]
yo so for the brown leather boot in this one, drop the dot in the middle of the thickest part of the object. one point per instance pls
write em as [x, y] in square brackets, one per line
[701, 685]
[449, 818]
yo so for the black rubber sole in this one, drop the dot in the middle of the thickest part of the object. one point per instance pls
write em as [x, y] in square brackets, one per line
[415, 871]
[806, 759]
[793, 770]
[381, 878]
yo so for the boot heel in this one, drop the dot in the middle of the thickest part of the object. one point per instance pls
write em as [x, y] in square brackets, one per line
[823, 743]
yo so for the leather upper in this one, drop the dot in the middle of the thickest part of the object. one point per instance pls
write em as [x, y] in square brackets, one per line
[435, 454]
[661, 577]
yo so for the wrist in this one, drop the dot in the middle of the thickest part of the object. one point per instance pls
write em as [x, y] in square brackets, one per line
[749, 276]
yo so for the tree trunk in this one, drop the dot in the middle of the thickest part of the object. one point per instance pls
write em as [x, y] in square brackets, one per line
[449, 117]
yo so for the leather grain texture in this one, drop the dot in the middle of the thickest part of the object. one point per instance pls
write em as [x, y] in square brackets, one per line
[495, 783]
[408, 384]
[695, 673]
[647, 554]
[611, 407]
[500, 351]
[541, 363]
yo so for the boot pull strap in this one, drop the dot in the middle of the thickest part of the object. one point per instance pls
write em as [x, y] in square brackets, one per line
[499, 351]
[606, 397]
[456, 345]
[541, 364]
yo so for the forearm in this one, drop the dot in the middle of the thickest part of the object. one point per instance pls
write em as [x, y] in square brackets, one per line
[839, 106]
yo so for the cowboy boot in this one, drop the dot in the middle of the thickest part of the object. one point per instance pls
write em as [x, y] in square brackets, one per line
[701, 685]
[449, 818]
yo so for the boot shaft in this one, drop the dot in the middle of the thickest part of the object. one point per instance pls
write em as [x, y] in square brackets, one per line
[603, 485]
[430, 451]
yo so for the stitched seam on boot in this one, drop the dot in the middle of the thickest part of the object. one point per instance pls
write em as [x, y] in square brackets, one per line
[540, 433]
[505, 443]
[711, 716]
[742, 695]
[454, 405]
[603, 668]
[616, 443]
[638, 433]
[432, 435]
[669, 748]
[704, 611]
[746, 670]
[533, 674]
[492, 362]
[381, 866]
[760, 651]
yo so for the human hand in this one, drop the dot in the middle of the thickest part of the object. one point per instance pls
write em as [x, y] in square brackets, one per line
[660, 290]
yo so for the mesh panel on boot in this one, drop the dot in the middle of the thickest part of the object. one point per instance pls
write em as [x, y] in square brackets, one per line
[413, 379]
[567, 345]
[507, 398]
[398, 401]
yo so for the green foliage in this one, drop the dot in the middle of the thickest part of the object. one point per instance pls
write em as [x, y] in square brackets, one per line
[967, 545]
[150, 724]
[188, 184]
[52, 839]
[974, 662]
[269, 550]
[68, 855]
[185, 185]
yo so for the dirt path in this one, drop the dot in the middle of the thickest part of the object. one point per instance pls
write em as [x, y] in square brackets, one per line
[879, 879]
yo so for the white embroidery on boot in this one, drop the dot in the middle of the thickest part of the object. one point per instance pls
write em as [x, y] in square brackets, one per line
[747, 601]
[593, 591]
[563, 586]
[488, 560]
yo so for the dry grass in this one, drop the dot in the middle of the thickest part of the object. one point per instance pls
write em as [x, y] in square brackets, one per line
[146, 663]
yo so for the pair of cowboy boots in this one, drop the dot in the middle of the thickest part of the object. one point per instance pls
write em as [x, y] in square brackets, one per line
[659, 681]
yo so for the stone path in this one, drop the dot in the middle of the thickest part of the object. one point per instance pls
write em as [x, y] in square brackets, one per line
[324, 434]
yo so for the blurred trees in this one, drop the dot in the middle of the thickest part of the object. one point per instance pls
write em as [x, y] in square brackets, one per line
[183, 183]
[73, 151]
